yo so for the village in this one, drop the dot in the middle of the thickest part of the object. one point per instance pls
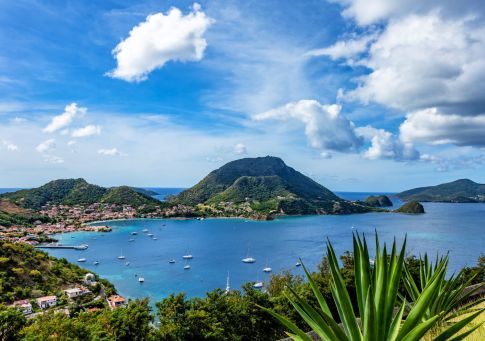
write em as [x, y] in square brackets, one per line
[89, 296]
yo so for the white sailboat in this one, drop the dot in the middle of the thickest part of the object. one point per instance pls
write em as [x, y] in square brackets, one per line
[172, 261]
[267, 269]
[187, 255]
[258, 284]
[121, 255]
[228, 287]
[81, 260]
[187, 266]
[248, 259]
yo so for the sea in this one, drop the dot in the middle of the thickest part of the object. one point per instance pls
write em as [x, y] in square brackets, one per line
[218, 245]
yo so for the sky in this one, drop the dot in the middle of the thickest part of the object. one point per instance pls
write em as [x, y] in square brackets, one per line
[360, 95]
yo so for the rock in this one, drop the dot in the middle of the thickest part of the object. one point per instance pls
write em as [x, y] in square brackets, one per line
[412, 207]
[378, 201]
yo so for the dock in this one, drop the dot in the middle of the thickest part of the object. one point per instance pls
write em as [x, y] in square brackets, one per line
[59, 246]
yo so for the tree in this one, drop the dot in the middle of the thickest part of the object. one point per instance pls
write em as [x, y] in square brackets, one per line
[11, 323]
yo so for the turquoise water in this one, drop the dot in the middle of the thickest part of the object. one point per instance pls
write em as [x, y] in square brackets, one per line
[219, 244]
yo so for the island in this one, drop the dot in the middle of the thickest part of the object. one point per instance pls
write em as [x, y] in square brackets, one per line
[459, 191]
[412, 207]
[378, 201]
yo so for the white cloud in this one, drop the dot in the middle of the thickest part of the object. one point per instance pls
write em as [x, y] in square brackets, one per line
[367, 12]
[53, 159]
[240, 149]
[19, 120]
[46, 146]
[159, 39]
[64, 119]
[432, 126]
[385, 145]
[88, 130]
[345, 48]
[424, 61]
[9, 146]
[109, 152]
[325, 128]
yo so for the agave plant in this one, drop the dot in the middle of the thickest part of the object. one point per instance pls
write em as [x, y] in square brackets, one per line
[381, 309]
[452, 293]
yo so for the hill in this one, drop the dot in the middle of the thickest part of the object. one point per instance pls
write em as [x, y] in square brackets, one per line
[378, 201]
[11, 214]
[412, 207]
[77, 192]
[463, 190]
[26, 272]
[265, 184]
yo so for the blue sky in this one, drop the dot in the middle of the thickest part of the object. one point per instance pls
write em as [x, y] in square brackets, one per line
[360, 95]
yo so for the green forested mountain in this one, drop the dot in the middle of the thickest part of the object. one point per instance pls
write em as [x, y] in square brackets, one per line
[77, 192]
[411, 207]
[463, 190]
[266, 182]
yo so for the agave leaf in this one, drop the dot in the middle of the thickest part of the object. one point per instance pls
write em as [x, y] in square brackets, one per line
[420, 329]
[396, 323]
[465, 334]
[299, 334]
[321, 300]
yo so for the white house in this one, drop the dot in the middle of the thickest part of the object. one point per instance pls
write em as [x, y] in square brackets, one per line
[24, 306]
[75, 292]
[47, 301]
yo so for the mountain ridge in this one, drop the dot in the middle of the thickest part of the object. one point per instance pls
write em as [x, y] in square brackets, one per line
[461, 190]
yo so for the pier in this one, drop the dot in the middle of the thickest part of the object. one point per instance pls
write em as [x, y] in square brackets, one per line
[59, 246]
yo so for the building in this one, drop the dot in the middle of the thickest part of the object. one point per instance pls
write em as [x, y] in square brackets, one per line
[75, 292]
[116, 301]
[24, 306]
[46, 302]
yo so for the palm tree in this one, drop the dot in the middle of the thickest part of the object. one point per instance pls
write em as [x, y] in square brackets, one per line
[381, 309]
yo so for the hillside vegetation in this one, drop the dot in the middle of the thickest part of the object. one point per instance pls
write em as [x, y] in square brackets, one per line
[77, 192]
[267, 184]
[27, 272]
[463, 190]
[11, 214]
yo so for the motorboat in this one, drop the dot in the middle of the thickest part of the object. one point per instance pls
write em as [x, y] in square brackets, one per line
[172, 261]
[131, 240]
[134, 233]
[154, 238]
[298, 264]
[141, 279]
[150, 234]
[96, 262]
[145, 230]
[258, 285]
[81, 260]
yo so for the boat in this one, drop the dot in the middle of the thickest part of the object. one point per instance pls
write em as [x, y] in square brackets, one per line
[187, 255]
[127, 263]
[187, 266]
[172, 261]
[150, 234]
[154, 238]
[258, 284]
[131, 240]
[141, 279]
[228, 287]
[248, 259]
[134, 233]
[81, 260]
[96, 262]
[267, 269]
[298, 264]
[145, 230]
[121, 255]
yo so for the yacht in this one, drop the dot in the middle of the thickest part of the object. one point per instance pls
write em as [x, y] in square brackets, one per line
[228, 287]
[258, 285]
[298, 264]
[172, 261]
[248, 259]
[150, 234]
[131, 240]
[141, 279]
[267, 269]
[81, 260]
[134, 233]
[186, 267]
[154, 238]
[121, 255]
[187, 255]
[145, 230]
[96, 262]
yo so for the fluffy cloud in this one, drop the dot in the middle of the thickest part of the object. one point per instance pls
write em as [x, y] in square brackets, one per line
[424, 61]
[432, 126]
[46, 146]
[325, 128]
[8, 145]
[159, 39]
[240, 149]
[109, 152]
[64, 119]
[345, 48]
[88, 130]
[53, 159]
[385, 145]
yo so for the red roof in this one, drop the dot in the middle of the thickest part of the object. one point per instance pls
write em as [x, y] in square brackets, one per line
[116, 298]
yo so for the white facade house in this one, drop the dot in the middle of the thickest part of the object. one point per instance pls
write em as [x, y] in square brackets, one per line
[75, 292]
[47, 301]
[24, 306]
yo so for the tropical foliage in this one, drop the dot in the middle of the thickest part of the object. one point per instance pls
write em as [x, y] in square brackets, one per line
[382, 313]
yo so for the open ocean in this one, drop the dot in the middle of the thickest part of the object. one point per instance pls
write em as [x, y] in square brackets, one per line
[219, 244]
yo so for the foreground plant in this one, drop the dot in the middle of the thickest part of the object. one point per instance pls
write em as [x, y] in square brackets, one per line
[381, 309]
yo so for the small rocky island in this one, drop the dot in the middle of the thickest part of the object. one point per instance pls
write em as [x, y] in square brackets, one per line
[412, 207]
[378, 201]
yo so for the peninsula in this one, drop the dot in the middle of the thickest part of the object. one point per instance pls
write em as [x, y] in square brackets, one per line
[459, 191]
